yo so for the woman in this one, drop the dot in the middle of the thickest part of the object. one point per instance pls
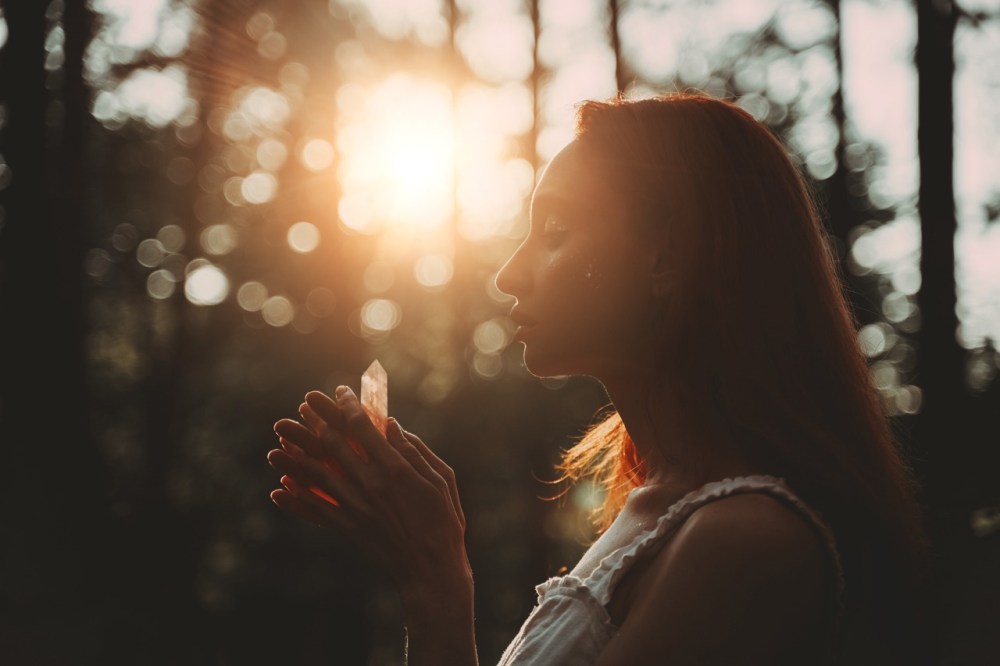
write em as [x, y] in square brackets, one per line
[757, 508]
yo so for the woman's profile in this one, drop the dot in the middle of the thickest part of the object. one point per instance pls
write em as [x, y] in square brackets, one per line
[758, 509]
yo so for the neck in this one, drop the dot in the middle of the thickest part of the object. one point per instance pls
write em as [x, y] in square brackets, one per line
[677, 450]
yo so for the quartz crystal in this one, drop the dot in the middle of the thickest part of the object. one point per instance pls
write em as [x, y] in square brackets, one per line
[375, 395]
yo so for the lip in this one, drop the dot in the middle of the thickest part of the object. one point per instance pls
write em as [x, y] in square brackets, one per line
[524, 323]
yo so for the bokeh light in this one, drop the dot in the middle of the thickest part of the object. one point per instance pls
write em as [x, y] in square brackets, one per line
[161, 284]
[303, 237]
[490, 337]
[158, 97]
[433, 270]
[251, 296]
[171, 237]
[150, 252]
[219, 239]
[379, 316]
[271, 154]
[205, 284]
[278, 311]
[398, 19]
[317, 154]
[259, 187]
[487, 365]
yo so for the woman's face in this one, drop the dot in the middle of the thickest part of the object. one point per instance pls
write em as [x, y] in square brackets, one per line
[582, 277]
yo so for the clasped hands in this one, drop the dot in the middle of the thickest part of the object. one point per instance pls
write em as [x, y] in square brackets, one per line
[387, 493]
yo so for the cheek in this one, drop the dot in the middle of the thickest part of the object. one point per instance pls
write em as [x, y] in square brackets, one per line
[606, 290]
[575, 276]
[603, 275]
[619, 290]
[593, 311]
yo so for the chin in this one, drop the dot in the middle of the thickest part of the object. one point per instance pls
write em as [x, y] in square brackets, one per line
[546, 366]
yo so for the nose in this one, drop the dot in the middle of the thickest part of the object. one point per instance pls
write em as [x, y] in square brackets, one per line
[514, 278]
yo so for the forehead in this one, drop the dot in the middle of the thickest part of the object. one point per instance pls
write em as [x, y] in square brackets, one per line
[571, 179]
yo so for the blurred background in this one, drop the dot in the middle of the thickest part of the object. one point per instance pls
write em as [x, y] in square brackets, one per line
[209, 208]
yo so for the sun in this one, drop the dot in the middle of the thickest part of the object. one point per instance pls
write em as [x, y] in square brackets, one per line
[397, 145]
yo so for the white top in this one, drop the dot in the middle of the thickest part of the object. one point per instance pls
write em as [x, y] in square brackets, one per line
[570, 624]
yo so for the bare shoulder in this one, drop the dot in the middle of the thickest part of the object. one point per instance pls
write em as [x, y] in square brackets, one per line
[752, 522]
[744, 579]
[756, 545]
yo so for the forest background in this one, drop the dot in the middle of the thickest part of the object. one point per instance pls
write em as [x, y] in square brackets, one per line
[209, 208]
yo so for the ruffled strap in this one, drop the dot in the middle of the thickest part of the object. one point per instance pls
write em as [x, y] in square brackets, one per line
[604, 579]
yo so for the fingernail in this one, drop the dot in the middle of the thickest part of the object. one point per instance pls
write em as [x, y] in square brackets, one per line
[344, 391]
[394, 429]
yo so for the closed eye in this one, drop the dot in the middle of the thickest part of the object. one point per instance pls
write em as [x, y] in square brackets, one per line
[554, 230]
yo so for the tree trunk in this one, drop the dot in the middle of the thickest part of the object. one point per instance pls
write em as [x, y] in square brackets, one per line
[58, 524]
[941, 359]
[614, 12]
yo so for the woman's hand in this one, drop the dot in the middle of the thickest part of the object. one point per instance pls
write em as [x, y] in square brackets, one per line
[390, 495]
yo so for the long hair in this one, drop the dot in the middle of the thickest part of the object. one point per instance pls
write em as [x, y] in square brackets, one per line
[756, 332]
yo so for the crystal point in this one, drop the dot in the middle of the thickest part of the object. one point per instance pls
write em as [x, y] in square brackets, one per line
[375, 394]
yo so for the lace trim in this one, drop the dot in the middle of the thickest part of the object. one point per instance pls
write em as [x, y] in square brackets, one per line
[575, 586]
[600, 583]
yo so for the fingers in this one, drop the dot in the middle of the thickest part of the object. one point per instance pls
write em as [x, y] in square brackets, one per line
[331, 446]
[319, 475]
[322, 414]
[317, 454]
[396, 438]
[441, 468]
[359, 427]
[336, 482]
[400, 505]
[301, 437]
[313, 420]
[305, 505]
[432, 468]
[326, 408]
[328, 426]
[436, 463]
[293, 450]
[287, 500]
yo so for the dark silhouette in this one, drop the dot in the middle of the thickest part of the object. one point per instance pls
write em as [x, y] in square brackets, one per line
[675, 256]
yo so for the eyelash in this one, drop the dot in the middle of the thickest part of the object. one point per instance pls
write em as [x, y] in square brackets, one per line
[554, 234]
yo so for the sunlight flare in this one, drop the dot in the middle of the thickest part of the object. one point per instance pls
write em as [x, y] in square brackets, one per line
[398, 166]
